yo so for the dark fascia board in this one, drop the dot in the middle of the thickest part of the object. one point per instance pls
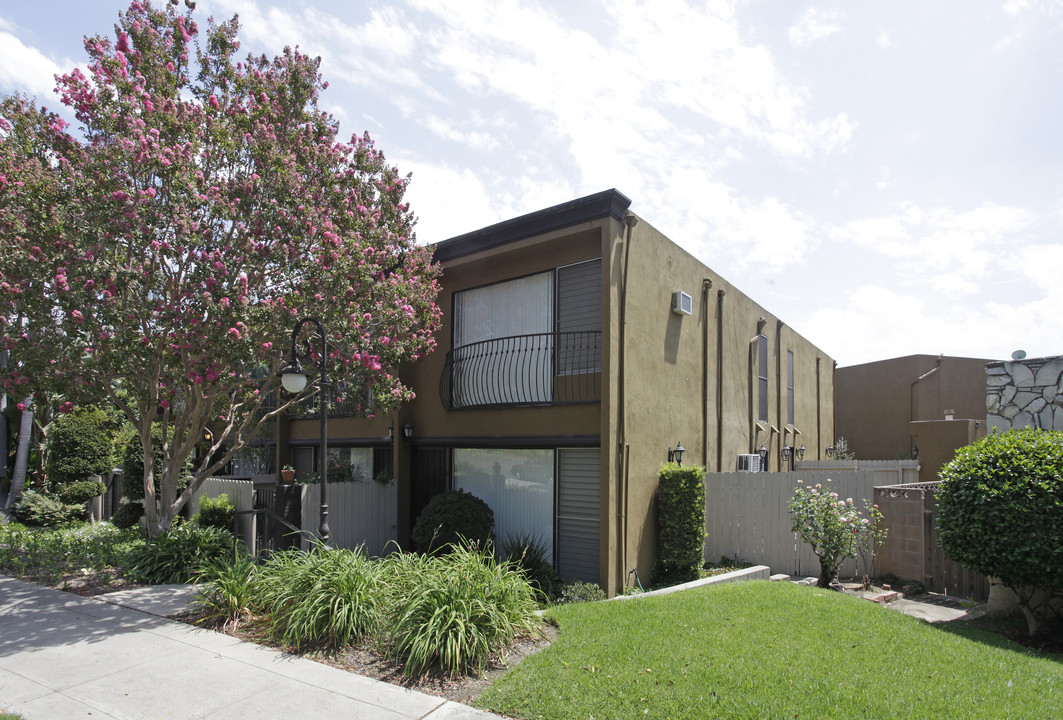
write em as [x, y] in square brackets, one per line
[609, 203]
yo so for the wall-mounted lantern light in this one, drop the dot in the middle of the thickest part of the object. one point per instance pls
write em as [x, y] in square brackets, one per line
[407, 432]
[801, 453]
[391, 430]
[676, 454]
[763, 452]
[830, 452]
[786, 450]
[915, 452]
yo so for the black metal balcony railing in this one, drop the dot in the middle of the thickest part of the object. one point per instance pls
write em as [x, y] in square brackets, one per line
[524, 370]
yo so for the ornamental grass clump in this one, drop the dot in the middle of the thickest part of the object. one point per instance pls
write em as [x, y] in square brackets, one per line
[320, 598]
[464, 607]
[827, 523]
[176, 556]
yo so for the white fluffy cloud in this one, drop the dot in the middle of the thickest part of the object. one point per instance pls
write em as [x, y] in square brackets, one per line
[814, 25]
[27, 68]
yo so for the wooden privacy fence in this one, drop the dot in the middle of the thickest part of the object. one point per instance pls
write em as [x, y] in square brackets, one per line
[241, 493]
[747, 516]
[360, 513]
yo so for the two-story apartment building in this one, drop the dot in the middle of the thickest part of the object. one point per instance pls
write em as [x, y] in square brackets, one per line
[578, 345]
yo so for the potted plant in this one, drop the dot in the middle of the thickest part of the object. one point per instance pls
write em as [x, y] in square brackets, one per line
[287, 474]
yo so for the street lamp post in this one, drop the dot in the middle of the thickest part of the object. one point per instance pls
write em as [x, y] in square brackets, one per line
[293, 377]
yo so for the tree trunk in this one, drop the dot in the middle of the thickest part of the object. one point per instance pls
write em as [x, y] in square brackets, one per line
[18, 481]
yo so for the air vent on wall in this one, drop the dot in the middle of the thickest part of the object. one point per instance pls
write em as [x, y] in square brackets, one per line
[682, 304]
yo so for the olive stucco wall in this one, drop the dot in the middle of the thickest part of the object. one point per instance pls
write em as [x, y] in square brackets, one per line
[693, 379]
[665, 378]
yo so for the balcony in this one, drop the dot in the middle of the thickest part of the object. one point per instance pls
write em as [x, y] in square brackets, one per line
[535, 370]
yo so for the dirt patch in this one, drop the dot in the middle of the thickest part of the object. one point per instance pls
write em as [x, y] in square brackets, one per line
[369, 662]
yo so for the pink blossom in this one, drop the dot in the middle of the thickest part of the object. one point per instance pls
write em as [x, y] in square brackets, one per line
[165, 404]
[66, 407]
[213, 101]
[21, 406]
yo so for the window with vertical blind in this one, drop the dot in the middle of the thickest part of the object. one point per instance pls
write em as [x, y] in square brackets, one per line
[579, 318]
[518, 486]
[789, 387]
[762, 377]
[527, 341]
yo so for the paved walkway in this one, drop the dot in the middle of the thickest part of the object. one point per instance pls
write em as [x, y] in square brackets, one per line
[64, 657]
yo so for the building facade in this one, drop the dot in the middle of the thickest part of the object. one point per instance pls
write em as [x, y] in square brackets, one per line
[578, 345]
[933, 403]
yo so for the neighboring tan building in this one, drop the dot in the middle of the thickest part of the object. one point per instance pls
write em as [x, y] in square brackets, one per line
[578, 345]
[935, 403]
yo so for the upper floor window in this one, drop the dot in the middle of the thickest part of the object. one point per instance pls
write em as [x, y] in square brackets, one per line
[789, 387]
[762, 377]
[522, 341]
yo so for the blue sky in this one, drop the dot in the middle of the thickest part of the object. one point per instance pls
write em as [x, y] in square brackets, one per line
[886, 178]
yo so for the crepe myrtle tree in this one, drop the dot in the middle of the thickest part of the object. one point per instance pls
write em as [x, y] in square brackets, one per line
[161, 256]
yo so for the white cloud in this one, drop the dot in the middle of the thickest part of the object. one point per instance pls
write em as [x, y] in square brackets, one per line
[813, 26]
[26, 67]
[944, 250]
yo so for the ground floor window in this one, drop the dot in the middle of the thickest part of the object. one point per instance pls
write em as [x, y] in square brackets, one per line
[518, 485]
[551, 495]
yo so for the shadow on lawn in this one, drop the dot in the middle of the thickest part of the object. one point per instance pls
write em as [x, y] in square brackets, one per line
[1007, 632]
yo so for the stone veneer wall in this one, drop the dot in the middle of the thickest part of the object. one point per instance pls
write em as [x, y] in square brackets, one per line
[1025, 393]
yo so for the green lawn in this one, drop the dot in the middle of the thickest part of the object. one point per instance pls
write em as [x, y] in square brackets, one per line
[771, 650]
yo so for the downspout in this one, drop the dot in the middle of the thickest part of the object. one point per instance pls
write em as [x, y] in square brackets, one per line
[719, 379]
[706, 285]
[622, 450]
[911, 393]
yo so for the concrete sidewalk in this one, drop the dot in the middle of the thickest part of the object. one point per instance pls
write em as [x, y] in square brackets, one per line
[64, 657]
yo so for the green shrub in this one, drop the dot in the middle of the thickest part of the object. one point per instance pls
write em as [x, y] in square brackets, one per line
[80, 491]
[176, 556]
[680, 524]
[528, 553]
[577, 591]
[128, 514]
[80, 444]
[133, 467]
[321, 597]
[463, 607]
[216, 512]
[229, 589]
[451, 518]
[35, 508]
[1000, 512]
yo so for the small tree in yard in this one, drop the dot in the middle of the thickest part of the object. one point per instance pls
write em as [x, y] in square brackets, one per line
[1000, 511]
[827, 523]
[160, 259]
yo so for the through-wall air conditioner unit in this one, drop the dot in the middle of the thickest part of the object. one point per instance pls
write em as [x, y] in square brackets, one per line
[682, 304]
[749, 463]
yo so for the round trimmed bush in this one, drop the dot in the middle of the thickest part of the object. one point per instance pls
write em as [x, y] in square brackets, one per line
[1000, 509]
[216, 512]
[80, 443]
[128, 514]
[80, 492]
[453, 517]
